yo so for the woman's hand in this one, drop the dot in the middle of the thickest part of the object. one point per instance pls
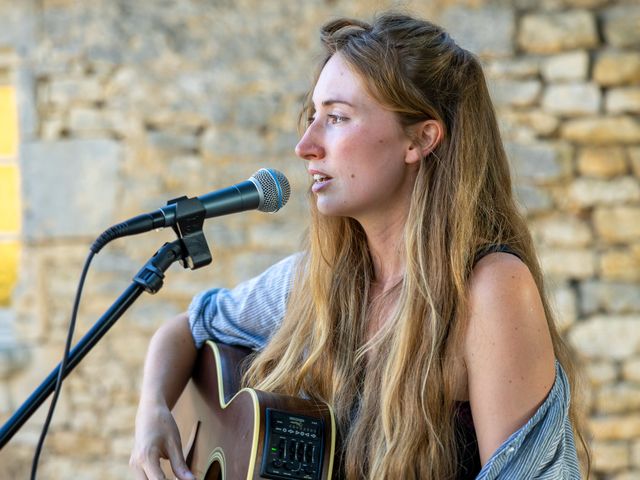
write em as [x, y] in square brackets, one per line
[167, 369]
[157, 437]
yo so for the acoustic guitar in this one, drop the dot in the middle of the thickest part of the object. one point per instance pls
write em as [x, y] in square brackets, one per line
[230, 433]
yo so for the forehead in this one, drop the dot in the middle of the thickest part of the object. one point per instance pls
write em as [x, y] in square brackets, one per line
[338, 80]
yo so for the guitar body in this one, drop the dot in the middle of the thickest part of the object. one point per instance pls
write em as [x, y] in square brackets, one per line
[236, 434]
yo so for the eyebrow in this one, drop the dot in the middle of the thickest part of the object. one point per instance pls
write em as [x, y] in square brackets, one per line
[333, 101]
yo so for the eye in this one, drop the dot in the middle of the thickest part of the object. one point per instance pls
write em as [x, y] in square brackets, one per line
[336, 118]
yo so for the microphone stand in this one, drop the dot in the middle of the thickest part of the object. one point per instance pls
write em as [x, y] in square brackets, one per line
[190, 249]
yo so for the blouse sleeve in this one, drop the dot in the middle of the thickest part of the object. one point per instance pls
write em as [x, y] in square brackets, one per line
[246, 315]
[544, 448]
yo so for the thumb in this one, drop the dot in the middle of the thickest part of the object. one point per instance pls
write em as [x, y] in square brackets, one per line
[178, 465]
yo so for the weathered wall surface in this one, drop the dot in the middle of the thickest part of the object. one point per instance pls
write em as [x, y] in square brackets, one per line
[123, 105]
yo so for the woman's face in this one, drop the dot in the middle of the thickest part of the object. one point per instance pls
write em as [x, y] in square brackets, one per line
[362, 162]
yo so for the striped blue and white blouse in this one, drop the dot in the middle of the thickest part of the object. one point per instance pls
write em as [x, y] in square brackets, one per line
[249, 314]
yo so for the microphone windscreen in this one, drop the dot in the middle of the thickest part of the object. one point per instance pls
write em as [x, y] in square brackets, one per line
[274, 188]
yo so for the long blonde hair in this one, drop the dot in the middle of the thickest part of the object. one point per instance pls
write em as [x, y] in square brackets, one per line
[393, 395]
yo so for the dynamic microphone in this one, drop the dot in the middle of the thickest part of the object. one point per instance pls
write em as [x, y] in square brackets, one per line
[267, 190]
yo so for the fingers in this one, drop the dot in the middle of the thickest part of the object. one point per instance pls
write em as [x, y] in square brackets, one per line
[147, 468]
[138, 473]
[178, 465]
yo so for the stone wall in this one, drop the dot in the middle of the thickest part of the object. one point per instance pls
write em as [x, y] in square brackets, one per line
[123, 105]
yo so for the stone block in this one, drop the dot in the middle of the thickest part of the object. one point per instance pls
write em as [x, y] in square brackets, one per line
[622, 129]
[631, 370]
[614, 67]
[604, 162]
[615, 427]
[122, 446]
[70, 187]
[219, 143]
[634, 155]
[542, 123]
[572, 99]
[16, 460]
[20, 26]
[610, 456]
[248, 265]
[633, 474]
[568, 263]
[257, 112]
[561, 230]
[614, 297]
[610, 337]
[533, 199]
[278, 234]
[570, 66]
[619, 398]
[623, 100]
[27, 108]
[67, 442]
[91, 121]
[172, 141]
[621, 25]
[581, 3]
[64, 92]
[618, 224]
[14, 356]
[184, 173]
[635, 455]
[620, 264]
[52, 128]
[468, 27]
[515, 68]
[514, 93]
[600, 373]
[120, 418]
[513, 129]
[554, 32]
[8, 60]
[527, 126]
[555, 5]
[540, 162]
[589, 192]
[564, 302]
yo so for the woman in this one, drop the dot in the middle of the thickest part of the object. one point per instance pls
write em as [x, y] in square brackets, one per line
[417, 309]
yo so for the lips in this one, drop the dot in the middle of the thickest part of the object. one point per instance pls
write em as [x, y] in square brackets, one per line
[320, 180]
[318, 177]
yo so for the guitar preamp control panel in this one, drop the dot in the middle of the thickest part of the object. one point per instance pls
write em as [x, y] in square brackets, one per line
[293, 446]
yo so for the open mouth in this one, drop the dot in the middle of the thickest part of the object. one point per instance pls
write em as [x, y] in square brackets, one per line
[318, 178]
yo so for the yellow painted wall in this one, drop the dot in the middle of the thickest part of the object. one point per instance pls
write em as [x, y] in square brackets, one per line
[9, 199]
[10, 217]
[8, 122]
[9, 255]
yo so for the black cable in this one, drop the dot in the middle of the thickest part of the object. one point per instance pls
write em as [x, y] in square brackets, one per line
[63, 365]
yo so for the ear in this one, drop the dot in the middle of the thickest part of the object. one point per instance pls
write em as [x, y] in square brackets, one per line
[426, 137]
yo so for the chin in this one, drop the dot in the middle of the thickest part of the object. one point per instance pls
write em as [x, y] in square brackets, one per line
[329, 210]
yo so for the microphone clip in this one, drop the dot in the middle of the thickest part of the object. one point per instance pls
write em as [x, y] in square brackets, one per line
[190, 216]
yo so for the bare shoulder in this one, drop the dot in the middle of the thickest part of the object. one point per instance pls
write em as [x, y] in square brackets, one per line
[503, 299]
[507, 349]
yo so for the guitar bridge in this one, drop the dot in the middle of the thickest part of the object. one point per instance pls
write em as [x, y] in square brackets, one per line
[293, 446]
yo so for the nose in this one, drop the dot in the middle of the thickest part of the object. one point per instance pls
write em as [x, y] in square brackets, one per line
[309, 147]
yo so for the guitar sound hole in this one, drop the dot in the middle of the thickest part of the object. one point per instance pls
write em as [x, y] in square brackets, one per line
[214, 472]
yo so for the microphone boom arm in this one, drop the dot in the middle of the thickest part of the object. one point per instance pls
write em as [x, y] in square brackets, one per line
[190, 249]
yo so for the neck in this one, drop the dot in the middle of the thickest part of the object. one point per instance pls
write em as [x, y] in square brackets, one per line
[385, 240]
